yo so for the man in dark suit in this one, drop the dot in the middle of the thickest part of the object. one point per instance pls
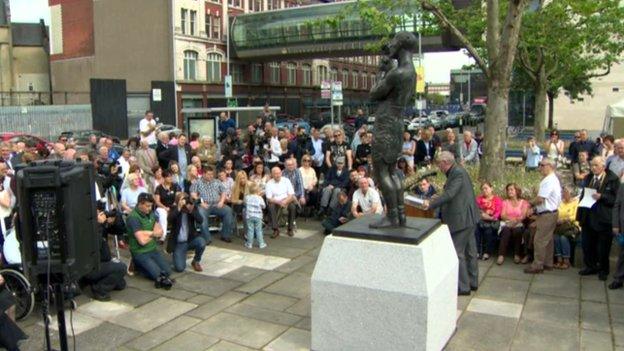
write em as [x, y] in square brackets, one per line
[425, 149]
[596, 222]
[180, 154]
[161, 145]
[459, 211]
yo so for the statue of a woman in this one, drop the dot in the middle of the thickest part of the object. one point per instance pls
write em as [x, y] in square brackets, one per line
[393, 93]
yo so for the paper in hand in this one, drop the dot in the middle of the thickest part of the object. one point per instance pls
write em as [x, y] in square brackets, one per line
[588, 199]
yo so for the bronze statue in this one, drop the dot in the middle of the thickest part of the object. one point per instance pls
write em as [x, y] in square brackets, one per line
[393, 92]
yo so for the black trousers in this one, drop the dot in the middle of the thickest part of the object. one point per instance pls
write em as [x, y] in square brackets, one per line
[596, 248]
[110, 276]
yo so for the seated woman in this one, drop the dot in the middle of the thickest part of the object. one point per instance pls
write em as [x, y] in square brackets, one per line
[174, 170]
[567, 228]
[403, 169]
[308, 174]
[239, 190]
[513, 214]
[130, 194]
[259, 176]
[164, 200]
[487, 228]
[228, 184]
[425, 189]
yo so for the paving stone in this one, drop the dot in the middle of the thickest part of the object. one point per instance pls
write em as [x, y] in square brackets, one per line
[82, 322]
[260, 282]
[548, 284]
[483, 332]
[163, 333]
[506, 290]
[188, 341]
[217, 305]
[615, 296]
[496, 308]
[153, 314]
[552, 309]
[314, 252]
[244, 274]
[295, 264]
[302, 308]
[595, 316]
[596, 341]
[463, 301]
[509, 270]
[264, 314]
[296, 285]
[228, 346]
[133, 297]
[305, 323]
[282, 251]
[538, 335]
[241, 330]
[308, 268]
[617, 313]
[104, 310]
[270, 301]
[206, 285]
[292, 340]
[107, 336]
[593, 290]
[618, 333]
[200, 299]
[139, 282]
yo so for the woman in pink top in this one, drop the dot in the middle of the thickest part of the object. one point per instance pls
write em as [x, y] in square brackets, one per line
[513, 214]
[487, 228]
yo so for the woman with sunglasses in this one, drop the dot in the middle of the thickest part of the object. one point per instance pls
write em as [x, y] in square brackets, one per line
[308, 174]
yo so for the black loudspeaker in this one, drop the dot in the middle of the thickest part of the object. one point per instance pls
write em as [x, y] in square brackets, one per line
[57, 219]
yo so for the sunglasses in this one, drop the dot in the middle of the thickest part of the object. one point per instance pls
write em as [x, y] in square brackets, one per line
[306, 160]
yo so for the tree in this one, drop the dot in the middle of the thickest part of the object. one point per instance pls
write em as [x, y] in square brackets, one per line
[494, 54]
[566, 43]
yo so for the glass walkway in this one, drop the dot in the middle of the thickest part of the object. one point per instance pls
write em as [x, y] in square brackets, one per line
[299, 33]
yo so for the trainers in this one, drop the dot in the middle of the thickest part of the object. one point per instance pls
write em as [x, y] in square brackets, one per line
[249, 246]
[263, 245]
[163, 282]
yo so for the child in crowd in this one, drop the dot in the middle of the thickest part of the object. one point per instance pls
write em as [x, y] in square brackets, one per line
[254, 204]
[532, 154]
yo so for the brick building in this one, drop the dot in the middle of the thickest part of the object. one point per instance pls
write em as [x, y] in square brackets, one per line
[146, 41]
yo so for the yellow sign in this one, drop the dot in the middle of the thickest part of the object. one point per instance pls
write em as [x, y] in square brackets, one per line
[420, 80]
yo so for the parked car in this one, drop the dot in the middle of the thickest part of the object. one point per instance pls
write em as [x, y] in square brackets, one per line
[417, 123]
[82, 136]
[33, 143]
[170, 129]
[318, 120]
[437, 122]
[291, 124]
[452, 120]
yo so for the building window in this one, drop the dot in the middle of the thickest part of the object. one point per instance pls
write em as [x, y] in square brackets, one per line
[273, 5]
[255, 5]
[275, 72]
[234, 3]
[190, 65]
[373, 80]
[334, 74]
[213, 67]
[256, 73]
[192, 22]
[291, 70]
[355, 75]
[237, 73]
[208, 24]
[616, 89]
[345, 78]
[183, 16]
[364, 79]
[322, 73]
[307, 75]
[216, 27]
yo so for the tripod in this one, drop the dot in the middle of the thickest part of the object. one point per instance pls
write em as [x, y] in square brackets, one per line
[56, 288]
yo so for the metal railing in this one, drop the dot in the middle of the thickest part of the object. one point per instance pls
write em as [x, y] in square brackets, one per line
[45, 121]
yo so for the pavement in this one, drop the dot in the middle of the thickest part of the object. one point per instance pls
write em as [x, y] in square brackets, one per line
[260, 300]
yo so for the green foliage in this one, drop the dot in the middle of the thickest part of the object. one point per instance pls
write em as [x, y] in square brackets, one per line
[436, 99]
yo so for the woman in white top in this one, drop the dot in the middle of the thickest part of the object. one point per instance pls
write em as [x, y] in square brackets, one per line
[308, 175]
[409, 148]
[130, 195]
[5, 206]
[555, 146]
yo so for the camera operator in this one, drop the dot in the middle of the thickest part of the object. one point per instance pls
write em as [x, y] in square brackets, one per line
[110, 276]
[184, 217]
[114, 224]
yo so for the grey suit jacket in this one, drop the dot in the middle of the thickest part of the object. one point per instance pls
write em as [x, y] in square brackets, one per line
[618, 210]
[145, 161]
[457, 203]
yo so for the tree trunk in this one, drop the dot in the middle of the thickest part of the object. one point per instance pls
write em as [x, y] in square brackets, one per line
[551, 110]
[539, 107]
[495, 133]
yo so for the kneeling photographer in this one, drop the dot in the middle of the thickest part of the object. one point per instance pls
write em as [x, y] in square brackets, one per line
[111, 274]
[184, 217]
[114, 225]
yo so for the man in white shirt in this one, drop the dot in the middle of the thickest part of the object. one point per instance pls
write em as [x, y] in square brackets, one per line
[316, 143]
[280, 194]
[546, 206]
[275, 148]
[147, 129]
[366, 200]
[616, 161]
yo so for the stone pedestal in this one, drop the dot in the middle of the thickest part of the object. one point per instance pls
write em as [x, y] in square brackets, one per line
[385, 290]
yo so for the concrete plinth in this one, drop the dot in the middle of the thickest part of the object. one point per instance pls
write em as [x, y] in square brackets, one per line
[379, 295]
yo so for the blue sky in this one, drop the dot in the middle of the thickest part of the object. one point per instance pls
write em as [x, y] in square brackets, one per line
[437, 65]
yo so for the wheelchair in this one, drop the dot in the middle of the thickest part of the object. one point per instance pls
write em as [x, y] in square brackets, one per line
[21, 290]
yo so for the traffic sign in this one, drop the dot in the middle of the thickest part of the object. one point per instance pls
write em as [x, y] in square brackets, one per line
[336, 93]
[326, 89]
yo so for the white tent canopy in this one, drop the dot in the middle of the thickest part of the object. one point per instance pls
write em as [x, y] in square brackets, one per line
[614, 119]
